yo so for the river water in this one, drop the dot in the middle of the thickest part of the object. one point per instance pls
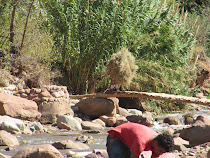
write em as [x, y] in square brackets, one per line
[99, 139]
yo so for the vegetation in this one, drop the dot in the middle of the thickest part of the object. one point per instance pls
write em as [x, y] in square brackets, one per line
[76, 37]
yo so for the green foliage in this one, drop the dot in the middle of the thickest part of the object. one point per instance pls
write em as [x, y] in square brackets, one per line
[194, 6]
[87, 34]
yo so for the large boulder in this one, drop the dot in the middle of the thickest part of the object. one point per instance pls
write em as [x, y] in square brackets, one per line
[35, 151]
[18, 107]
[50, 110]
[95, 107]
[196, 135]
[10, 124]
[199, 135]
[131, 103]
[7, 139]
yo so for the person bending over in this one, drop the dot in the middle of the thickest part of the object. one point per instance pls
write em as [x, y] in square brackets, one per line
[129, 140]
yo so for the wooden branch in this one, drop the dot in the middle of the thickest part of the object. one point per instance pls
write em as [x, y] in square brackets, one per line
[146, 95]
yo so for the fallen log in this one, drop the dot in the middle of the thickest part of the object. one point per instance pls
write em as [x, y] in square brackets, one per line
[146, 95]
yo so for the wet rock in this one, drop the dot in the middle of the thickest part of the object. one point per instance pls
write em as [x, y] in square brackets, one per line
[188, 119]
[171, 121]
[35, 151]
[7, 139]
[86, 139]
[202, 120]
[95, 107]
[18, 107]
[168, 130]
[36, 126]
[69, 144]
[146, 120]
[68, 122]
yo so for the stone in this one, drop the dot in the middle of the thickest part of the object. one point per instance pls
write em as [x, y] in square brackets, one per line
[69, 122]
[45, 93]
[179, 144]
[120, 120]
[202, 120]
[199, 135]
[87, 125]
[95, 107]
[171, 121]
[11, 124]
[123, 112]
[49, 110]
[135, 112]
[146, 120]
[35, 151]
[69, 144]
[7, 139]
[109, 121]
[18, 107]
[131, 103]
[99, 121]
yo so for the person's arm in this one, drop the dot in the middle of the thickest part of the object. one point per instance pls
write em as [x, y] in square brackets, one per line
[133, 156]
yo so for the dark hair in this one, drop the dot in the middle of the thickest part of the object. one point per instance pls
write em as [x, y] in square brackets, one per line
[165, 141]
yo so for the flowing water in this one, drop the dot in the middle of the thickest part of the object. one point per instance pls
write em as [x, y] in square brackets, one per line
[99, 139]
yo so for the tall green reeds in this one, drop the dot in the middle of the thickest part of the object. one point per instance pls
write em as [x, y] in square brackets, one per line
[86, 33]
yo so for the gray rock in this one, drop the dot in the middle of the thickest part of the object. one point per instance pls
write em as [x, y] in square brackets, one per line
[68, 122]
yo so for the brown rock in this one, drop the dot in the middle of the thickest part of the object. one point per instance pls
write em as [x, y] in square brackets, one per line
[171, 121]
[109, 121]
[100, 122]
[7, 139]
[145, 120]
[38, 151]
[18, 107]
[45, 93]
[199, 135]
[202, 120]
[87, 125]
[95, 107]
[179, 144]
[50, 110]
[120, 120]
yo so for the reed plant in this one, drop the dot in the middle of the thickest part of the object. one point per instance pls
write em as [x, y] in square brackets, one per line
[87, 33]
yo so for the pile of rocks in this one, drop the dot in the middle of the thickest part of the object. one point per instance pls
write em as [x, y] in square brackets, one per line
[51, 105]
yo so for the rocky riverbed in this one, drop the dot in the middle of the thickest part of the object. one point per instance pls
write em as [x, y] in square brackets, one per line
[47, 122]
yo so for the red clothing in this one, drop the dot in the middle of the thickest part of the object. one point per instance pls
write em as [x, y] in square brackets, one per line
[136, 136]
